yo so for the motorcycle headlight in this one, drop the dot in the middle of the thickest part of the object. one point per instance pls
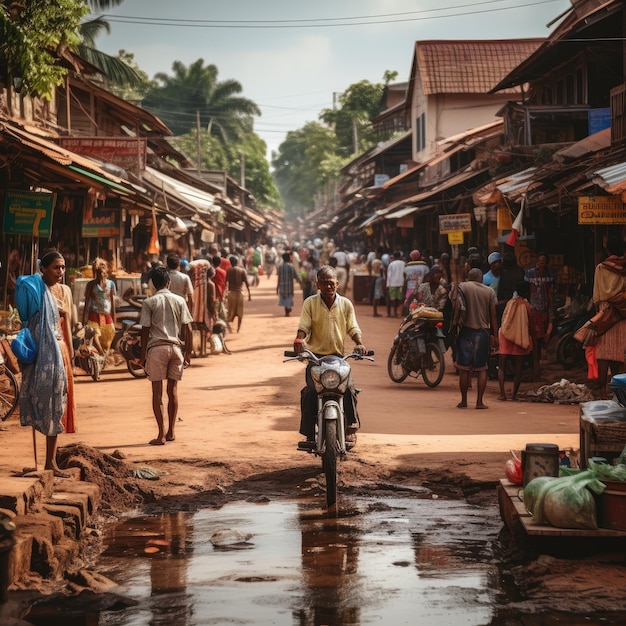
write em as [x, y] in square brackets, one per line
[330, 379]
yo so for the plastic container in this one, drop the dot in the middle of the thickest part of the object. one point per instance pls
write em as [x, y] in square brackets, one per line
[540, 459]
[612, 506]
[618, 387]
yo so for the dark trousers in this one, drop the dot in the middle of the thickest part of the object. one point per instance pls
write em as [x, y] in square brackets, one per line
[308, 406]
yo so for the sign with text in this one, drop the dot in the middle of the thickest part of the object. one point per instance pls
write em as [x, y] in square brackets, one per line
[128, 153]
[461, 222]
[601, 210]
[28, 213]
[100, 222]
[455, 237]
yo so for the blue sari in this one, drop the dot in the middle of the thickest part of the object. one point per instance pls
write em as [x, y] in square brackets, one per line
[44, 383]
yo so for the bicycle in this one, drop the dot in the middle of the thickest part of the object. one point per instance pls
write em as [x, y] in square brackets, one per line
[9, 390]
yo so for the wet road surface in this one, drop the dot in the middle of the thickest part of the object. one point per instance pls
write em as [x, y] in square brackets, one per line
[381, 561]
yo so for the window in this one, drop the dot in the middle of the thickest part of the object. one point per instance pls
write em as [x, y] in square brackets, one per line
[420, 133]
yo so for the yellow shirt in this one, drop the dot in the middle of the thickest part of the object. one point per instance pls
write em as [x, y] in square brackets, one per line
[326, 329]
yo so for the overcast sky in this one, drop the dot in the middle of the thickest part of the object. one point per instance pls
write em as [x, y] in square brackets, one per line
[292, 56]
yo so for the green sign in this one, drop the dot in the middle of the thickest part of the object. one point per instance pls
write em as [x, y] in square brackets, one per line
[28, 213]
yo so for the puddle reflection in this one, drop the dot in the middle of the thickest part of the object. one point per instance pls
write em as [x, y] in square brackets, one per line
[393, 561]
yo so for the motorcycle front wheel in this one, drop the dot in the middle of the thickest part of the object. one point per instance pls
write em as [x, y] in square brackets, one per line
[569, 352]
[396, 371]
[433, 365]
[94, 369]
[329, 461]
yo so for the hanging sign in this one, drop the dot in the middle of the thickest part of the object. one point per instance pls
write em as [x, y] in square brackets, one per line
[128, 153]
[28, 213]
[455, 237]
[504, 221]
[100, 222]
[461, 222]
[601, 210]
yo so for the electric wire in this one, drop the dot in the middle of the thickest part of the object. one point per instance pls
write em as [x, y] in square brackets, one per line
[318, 22]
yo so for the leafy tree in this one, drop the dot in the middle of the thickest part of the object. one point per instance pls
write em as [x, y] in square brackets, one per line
[216, 156]
[359, 104]
[32, 35]
[309, 162]
[298, 166]
[195, 90]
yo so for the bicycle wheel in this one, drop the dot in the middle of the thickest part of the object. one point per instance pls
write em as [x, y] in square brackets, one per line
[395, 369]
[433, 365]
[9, 393]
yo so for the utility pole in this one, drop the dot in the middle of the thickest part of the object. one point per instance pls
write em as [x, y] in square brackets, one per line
[198, 151]
[355, 136]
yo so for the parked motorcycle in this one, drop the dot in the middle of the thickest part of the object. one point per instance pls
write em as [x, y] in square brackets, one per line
[419, 348]
[570, 352]
[127, 340]
[128, 344]
[330, 375]
[86, 355]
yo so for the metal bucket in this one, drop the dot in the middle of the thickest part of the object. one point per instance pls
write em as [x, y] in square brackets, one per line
[539, 459]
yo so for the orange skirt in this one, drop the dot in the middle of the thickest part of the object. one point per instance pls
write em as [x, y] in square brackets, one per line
[69, 417]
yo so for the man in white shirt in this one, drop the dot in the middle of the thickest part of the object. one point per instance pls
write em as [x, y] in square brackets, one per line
[395, 282]
[180, 283]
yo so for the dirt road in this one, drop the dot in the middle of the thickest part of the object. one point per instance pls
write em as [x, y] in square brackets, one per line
[240, 412]
[239, 416]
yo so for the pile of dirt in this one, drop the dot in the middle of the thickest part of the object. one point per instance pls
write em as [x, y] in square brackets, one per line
[120, 490]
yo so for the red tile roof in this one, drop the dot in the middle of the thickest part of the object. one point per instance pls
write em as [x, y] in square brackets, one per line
[469, 66]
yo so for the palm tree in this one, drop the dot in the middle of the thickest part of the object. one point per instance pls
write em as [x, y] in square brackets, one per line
[115, 70]
[194, 92]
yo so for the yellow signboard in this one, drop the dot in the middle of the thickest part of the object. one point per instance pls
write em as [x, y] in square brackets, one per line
[455, 237]
[601, 210]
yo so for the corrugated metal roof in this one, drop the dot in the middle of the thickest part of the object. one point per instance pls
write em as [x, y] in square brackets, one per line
[469, 67]
[612, 178]
[202, 201]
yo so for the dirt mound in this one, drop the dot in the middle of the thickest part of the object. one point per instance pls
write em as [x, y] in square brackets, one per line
[121, 491]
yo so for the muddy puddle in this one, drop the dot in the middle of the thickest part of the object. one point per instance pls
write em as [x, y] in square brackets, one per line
[288, 562]
[381, 560]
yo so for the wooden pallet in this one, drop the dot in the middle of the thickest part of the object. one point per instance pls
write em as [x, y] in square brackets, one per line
[514, 513]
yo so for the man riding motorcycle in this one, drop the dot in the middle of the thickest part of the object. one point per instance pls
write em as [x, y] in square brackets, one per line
[325, 320]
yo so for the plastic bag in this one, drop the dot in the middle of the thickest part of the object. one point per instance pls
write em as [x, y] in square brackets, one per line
[533, 489]
[602, 471]
[24, 346]
[567, 502]
[513, 469]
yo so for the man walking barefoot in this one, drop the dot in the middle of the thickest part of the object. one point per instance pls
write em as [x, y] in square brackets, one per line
[164, 318]
[477, 336]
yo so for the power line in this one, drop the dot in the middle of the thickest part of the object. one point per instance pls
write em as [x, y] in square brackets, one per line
[317, 22]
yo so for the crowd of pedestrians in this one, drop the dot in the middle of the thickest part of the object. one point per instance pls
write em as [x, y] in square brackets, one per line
[493, 310]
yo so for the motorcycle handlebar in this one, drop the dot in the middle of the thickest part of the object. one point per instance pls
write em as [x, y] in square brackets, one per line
[292, 354]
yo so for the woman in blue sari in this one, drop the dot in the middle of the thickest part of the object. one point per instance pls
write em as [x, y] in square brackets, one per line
[43, 395]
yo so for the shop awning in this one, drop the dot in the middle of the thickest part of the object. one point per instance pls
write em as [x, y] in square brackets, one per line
[75, 163]
[201, 201]
[407, 210]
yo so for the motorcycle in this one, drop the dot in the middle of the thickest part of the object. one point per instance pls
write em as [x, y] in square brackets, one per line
[128, 344]
[127, 340]
[419, 348]
[569, 352]
[86, 355]
[330, 375]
